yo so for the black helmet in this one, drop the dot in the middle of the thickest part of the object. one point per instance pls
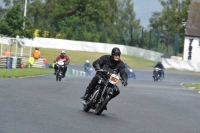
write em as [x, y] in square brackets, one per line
[116, 51]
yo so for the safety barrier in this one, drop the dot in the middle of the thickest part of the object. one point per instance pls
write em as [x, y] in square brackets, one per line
[25, 61]
[38, 63]
[74, 72]
[13, 62]
[3, 62]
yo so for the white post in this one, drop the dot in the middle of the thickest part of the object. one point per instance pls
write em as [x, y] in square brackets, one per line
[30, 54]
[25, 6]
[22, 50]
[1, 46]
[17, 39]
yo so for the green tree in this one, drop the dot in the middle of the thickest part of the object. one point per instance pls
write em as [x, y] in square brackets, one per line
[12, 24]
[171, 17]
[127, 22]
[35, 11]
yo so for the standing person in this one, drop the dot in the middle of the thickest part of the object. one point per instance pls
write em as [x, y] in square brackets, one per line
[64, 58]
[114, 63]
[7, 53]
[160, 66]
[36, 53]
[87, 66]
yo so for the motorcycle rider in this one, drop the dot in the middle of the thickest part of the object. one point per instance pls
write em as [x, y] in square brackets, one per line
[64, 58]
[87, 66]
[160, 66]
[113, 62]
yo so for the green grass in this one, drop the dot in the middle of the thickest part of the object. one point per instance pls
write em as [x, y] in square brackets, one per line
[77, 58]
[196, 86]
[10, 73]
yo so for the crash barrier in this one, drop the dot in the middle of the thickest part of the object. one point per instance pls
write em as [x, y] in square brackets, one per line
[91, 47]
[74, 72]
[181, 65]
[10, 62]
[20, 62]
[38, 63]
[3, 62]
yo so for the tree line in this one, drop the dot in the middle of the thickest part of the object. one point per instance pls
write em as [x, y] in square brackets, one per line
[107, 21]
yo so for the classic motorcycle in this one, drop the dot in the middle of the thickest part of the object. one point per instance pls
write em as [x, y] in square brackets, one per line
[102, 93]
[60, 71]
[90, 72]
[157, 75]
[131, 74]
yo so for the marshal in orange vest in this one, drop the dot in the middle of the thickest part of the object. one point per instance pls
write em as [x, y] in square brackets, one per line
[7, 53]
[36, 53]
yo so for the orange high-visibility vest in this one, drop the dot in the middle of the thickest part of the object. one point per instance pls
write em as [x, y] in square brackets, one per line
[7, 53]
[45, 61]
[36, 54]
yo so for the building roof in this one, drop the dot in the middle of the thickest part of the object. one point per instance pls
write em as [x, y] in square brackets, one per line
[193, 22]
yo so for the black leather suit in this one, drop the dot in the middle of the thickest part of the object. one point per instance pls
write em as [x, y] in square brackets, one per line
[117, 66]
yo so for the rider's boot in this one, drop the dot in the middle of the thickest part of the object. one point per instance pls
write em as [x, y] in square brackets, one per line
[64, 72]
[54, 72]
[86, 95]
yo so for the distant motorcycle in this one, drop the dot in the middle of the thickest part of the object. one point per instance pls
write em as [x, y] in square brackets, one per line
[102, 93]
[60, 71]
[130, 73]
[90, 72]
[157, 74]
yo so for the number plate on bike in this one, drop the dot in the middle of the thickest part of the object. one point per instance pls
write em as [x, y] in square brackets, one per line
[114, 79]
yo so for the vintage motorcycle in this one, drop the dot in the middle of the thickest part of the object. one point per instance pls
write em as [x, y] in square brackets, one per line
[157, 74]
[131, 74]
[60, 72]
[90, 72]
[102, 93]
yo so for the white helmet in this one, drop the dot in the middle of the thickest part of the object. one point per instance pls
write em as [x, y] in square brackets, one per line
[62, 52]
[87, 61]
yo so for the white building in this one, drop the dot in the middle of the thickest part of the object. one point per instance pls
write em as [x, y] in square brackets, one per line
[192, 33]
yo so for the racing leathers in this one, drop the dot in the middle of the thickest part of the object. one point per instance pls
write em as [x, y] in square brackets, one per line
[87, 66]
[160, 66]
[101, 63]
[65, 59]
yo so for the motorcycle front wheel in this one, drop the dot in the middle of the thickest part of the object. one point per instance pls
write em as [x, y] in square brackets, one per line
[58, 77]
[86, 108]
[101, 106]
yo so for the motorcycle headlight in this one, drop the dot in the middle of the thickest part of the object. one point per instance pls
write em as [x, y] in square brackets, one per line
[100, 81]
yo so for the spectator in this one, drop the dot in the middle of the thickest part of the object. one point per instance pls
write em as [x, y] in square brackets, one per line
[36, 53]
[7, 53]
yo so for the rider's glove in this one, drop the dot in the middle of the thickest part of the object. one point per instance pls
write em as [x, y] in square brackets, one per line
[125, 83]
[67, 63]
[97, 67]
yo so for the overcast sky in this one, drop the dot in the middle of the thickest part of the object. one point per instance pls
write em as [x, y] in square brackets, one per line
[142, 8]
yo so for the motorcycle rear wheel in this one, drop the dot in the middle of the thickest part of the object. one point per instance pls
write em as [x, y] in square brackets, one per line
[101, 106]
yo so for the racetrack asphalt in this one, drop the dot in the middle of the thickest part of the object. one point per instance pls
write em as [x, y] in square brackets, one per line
[42, 105]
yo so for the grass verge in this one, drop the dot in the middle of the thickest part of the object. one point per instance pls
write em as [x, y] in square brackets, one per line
[196, 86]
[77, 58]
[18, 72]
